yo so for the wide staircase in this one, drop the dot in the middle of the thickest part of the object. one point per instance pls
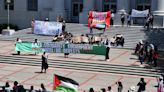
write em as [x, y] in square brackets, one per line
[132, 34]
[84, 66]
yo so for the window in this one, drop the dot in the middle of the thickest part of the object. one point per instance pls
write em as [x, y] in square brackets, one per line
[75, 10]
[11, 5]
[143, 4]
[110, 5]
[32, 5]
[77, 7]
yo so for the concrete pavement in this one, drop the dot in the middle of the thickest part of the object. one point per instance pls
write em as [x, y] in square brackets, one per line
[28, 75]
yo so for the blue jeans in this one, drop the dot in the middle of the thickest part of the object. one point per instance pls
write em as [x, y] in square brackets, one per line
[91, 30]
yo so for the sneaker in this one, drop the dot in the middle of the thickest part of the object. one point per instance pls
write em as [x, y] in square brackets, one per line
[107, 60]
[141, 65]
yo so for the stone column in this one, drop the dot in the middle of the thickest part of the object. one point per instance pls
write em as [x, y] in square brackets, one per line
[58, 9]
[123, 4]
[88, 5]
[160, 12]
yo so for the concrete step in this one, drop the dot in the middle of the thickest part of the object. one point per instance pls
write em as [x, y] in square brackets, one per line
[76, 65]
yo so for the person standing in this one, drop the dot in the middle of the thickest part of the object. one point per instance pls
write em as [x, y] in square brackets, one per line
[66, 47]
[120, 86]
[35, 43]
[128, 20]
[141, 56]
[91, 31]
[142, 85]
[104, 28]
[160, 84]
[155, 57]
[18, 40]
[112, 19]
[32, 25]
[122, 19]
[151, 20]
[63, 26]
[107, 50]
[44, 62]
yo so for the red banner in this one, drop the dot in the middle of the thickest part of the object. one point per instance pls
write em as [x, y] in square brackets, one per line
[99, 20]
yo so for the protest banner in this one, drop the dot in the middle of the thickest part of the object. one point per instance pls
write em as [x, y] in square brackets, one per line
[99, 20]
[137, 13]
[57, 47]
[47, 28]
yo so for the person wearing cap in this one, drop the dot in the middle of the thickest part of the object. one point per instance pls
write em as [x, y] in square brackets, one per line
[131, 89]
[160, 84]
[142, 85]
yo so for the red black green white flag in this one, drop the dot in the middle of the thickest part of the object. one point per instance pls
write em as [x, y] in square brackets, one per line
[65, 84]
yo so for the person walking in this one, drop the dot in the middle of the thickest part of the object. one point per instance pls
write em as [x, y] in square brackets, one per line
[142, 85]
[155, 57]
[44, 62]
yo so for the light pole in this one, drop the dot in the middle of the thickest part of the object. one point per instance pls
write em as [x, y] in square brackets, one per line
[8, 13]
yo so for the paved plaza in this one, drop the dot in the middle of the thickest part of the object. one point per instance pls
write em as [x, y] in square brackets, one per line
[29, 75]
[26, 72]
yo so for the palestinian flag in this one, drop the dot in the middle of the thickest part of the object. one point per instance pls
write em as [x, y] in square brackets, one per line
[65, 84]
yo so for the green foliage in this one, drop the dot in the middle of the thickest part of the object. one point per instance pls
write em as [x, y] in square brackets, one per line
[4, 26]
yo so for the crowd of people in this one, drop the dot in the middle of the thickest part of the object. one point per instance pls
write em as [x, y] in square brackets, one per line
[20, 88]
[141, 87]
[147, 53]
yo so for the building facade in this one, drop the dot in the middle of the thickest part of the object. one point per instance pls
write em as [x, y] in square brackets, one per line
[23, 11]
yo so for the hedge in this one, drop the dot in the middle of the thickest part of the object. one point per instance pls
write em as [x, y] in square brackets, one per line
[4, 26]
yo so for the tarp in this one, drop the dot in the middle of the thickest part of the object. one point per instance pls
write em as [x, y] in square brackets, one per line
[47, 28]
[57, 47]
[137, 13]
[99, 20]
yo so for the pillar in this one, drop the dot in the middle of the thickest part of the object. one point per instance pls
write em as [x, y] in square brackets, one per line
[160, 11]
[87, 6]
[123, 4]
[58, 9]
